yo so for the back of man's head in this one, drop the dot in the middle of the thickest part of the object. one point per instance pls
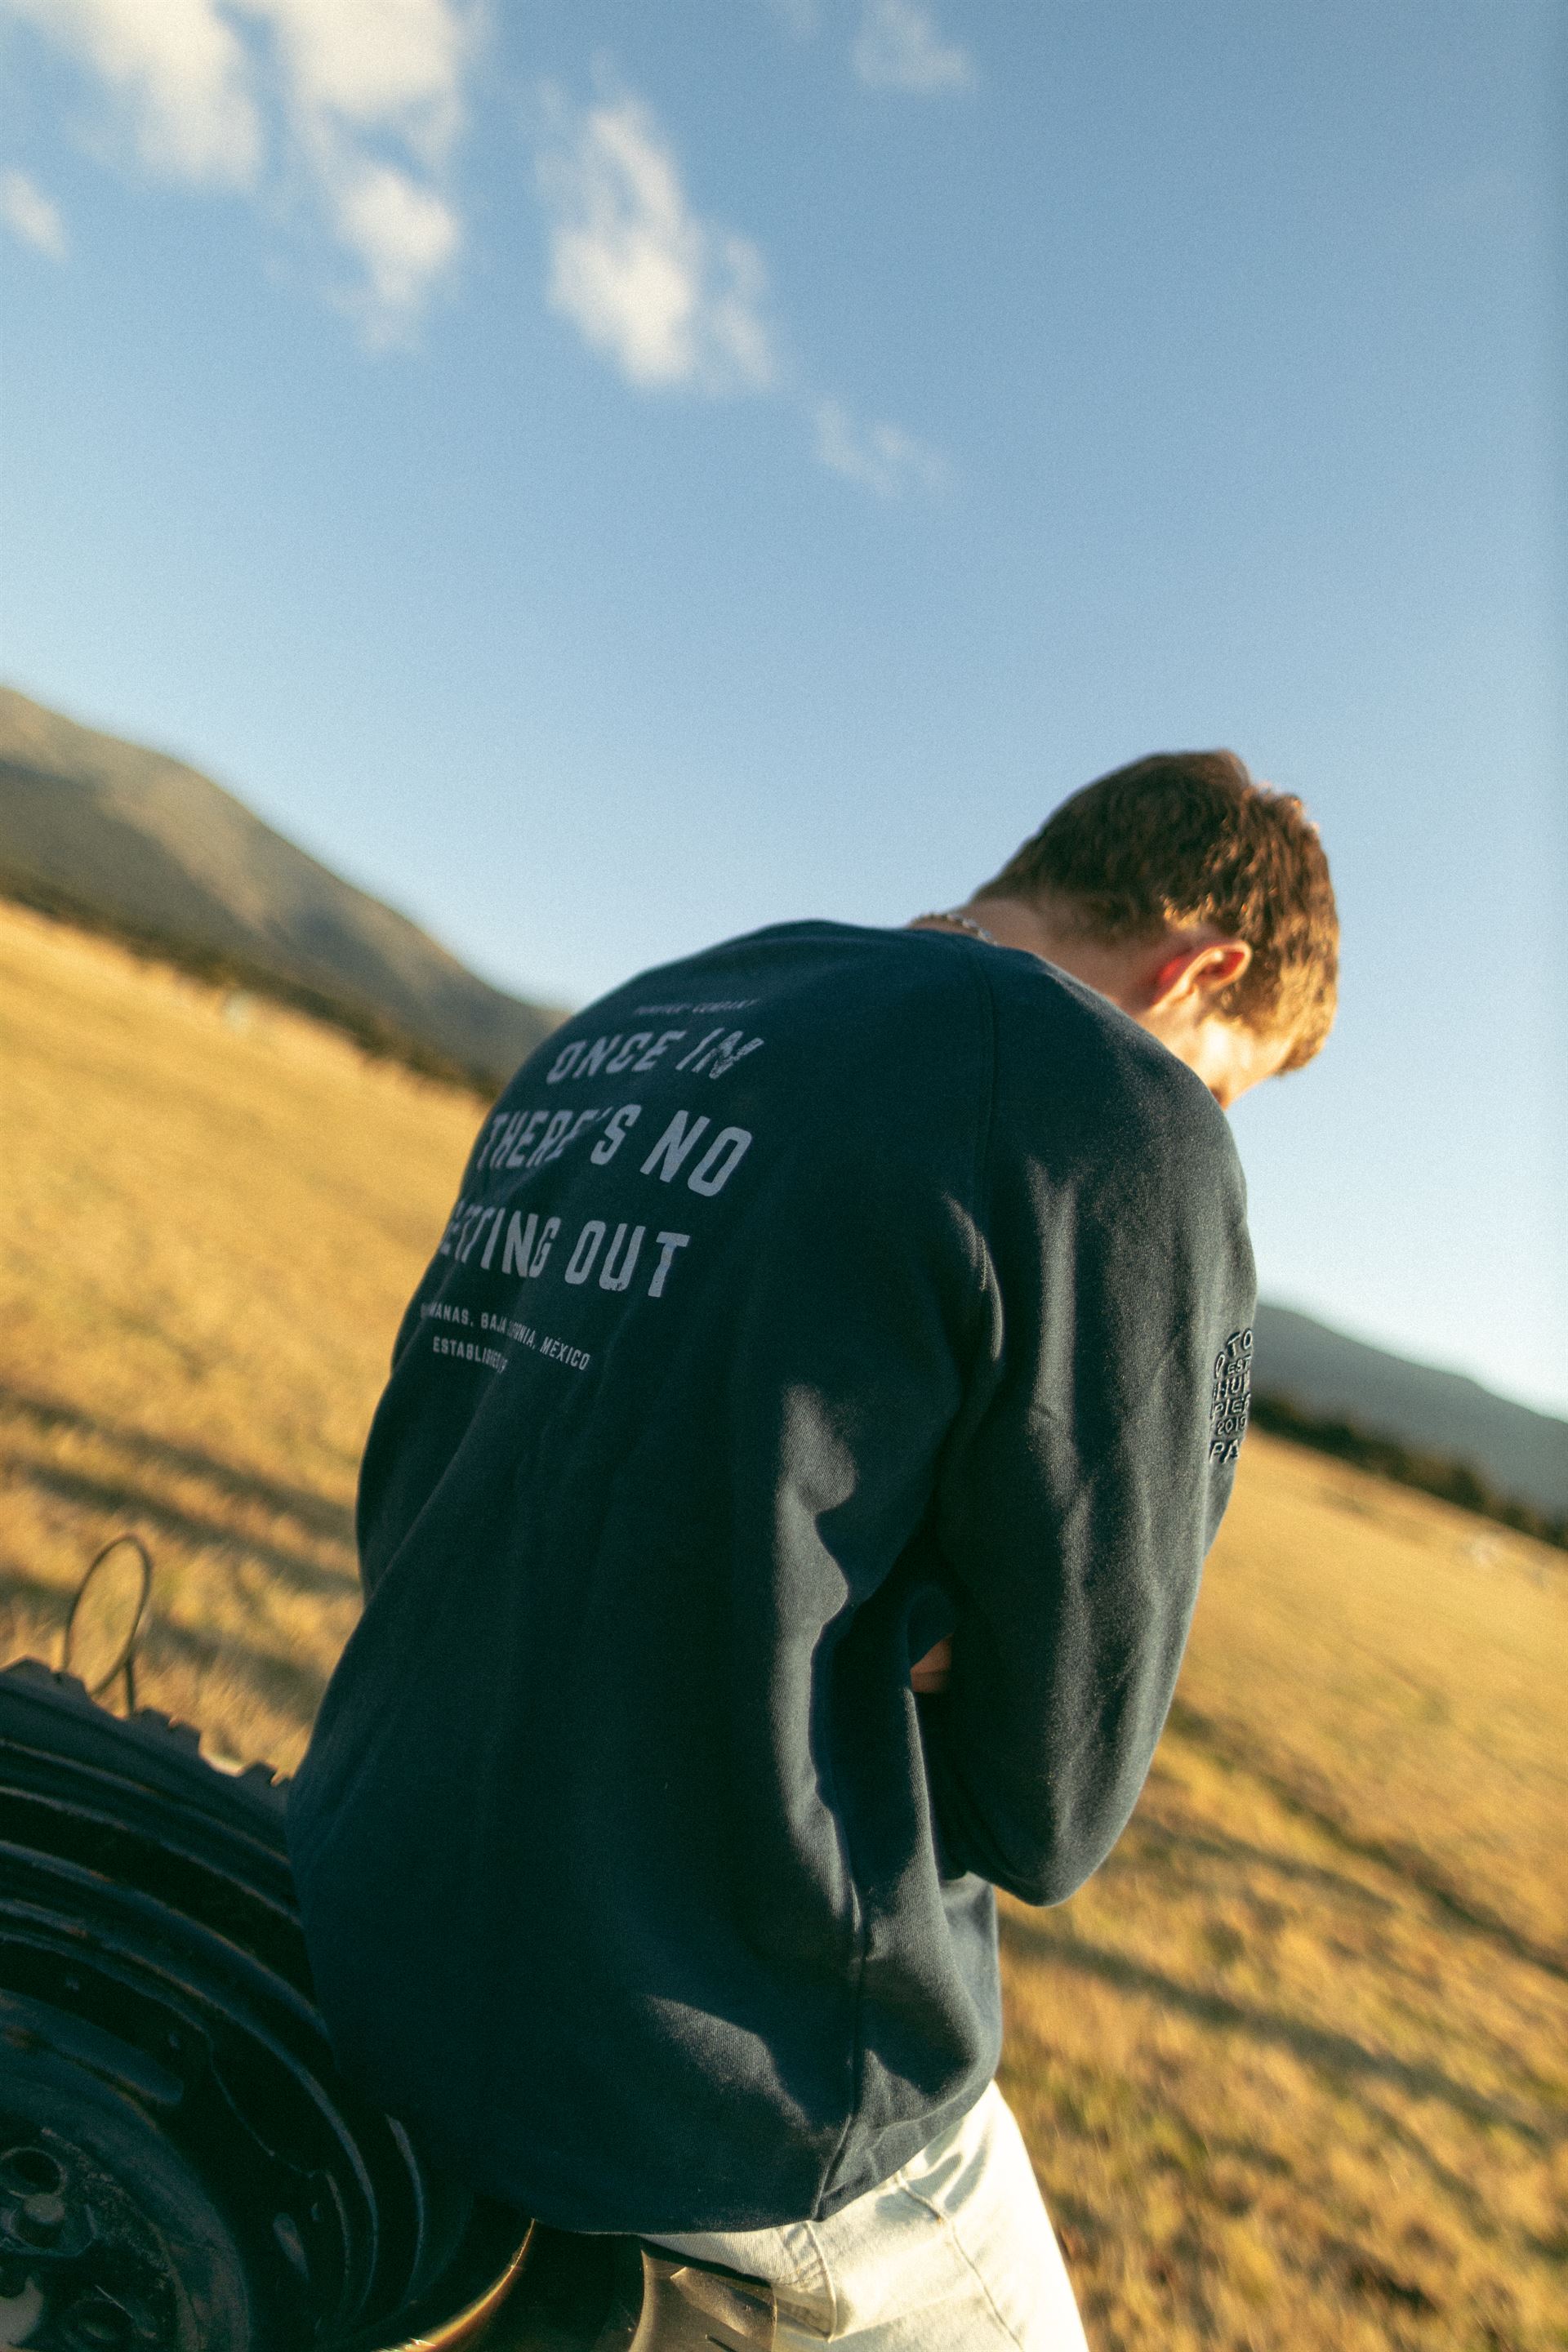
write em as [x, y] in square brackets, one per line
[1187, 839]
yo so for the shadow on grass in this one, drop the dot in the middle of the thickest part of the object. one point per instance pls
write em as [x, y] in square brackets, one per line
[1154, 1844]
[119, 1499]
[283, 1682]
[318, 1513]
[1228, 1749]
[1340, 2054]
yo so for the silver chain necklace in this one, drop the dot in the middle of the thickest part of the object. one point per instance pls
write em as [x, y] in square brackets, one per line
[963, 923]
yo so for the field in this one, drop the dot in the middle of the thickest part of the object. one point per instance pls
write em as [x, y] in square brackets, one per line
[1293, 2067]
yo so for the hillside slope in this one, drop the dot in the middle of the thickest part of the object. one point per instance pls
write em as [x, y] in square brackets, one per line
[1522, 1454]
[132, 839]
[1289, 2067]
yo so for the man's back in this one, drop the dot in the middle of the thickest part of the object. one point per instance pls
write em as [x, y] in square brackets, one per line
[805, 1301]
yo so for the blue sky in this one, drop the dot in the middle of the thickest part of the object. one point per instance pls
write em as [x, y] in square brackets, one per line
[606, 477]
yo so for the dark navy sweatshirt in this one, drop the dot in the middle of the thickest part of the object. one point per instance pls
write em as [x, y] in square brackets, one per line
[806, 1300]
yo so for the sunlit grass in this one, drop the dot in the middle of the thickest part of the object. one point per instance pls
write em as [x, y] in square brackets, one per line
[212, 1229]
[1293, 2066]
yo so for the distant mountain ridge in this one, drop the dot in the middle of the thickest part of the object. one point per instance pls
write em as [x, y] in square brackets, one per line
[132, 840]
[1521, 1452]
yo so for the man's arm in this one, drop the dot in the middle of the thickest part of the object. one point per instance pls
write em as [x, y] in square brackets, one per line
[1081, 1492]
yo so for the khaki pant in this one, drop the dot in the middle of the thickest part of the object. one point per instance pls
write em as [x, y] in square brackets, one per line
[954, 2253]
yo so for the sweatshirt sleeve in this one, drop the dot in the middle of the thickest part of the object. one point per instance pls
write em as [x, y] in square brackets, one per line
[1087, 1476]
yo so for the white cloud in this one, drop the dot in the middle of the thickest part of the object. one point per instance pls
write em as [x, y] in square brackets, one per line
[403, 234]
[882, 458]
[376, 65]
[312, 102]
[675, 301]
[176, 69]
[28, 213]
[357, 77]
[671, 299]
[900, 48]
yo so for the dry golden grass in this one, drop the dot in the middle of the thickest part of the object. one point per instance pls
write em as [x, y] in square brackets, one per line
[1291, 2067]
[212, 1230]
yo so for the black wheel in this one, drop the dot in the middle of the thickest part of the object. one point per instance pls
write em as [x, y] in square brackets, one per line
[181, 2168]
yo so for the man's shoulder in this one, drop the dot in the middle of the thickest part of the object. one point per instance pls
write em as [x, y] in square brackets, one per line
[866, 1030]
[1069, 1061]
[813, 971]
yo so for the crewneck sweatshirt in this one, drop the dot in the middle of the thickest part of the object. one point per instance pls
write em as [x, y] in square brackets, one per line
[805, 1301]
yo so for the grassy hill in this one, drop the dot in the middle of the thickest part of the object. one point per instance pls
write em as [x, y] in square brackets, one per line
[127, 840]
[1291, 2067]
[1520, 1455]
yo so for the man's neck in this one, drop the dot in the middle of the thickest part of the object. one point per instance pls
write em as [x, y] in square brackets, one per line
[1166, 980]
[1044, 930]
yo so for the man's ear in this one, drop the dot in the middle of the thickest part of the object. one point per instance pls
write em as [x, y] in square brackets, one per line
[1197, 970]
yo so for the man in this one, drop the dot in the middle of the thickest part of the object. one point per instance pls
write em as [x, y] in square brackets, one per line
[834, 1312]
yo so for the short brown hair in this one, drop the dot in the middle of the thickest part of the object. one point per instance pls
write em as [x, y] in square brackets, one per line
[1188, 838]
